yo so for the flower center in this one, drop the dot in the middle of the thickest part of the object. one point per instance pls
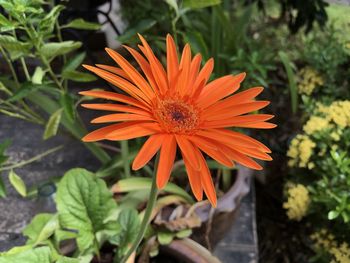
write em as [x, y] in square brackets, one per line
[177, 116]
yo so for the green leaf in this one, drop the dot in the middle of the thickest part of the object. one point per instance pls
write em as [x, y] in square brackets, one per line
[184, 233]
[15, 47]
[74, 62]
[130, 225]
[333, 215]
[54, 49]
[82, 24]
[52, 125]
[26, 89]
[165, 238]
[18, 183]
[47, 24]
[5, 24]
[78, 76]
[197, 43]
[291, 79]
[67, 260]
[83, 204]
[2, 188]
[67, 104]
[42, 227]
[142, 183]
[173, 4]
[140, 27]
[3, 146]
[37, 255]
[195, 4]
[38, 75]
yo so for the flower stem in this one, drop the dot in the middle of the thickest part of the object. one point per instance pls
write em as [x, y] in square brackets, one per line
[125, 155]
[146, 219]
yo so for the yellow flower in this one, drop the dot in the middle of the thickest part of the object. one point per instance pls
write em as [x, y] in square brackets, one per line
[300, 151]
[298, 201]
[338, 113]
[309, 80]
[315, 124]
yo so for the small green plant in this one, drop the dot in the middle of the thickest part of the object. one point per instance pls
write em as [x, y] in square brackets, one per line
[31, 35]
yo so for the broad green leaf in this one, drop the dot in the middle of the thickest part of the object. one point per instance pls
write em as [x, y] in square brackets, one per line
[74, 62]
[42, 227]
[61, 235]
[67, 104]
[47, 24]
[38, 75]
[18, 183]
[15, 47]
[165, 238]
[52, 125]
[82, 24]
[54, 49]
[78, 76]
[2, 188]
[68, 260]
[291, 79]
[5, 24]
[130, 225]
[140, 27]
[83, 203]
[142, 183]
[173, 4]
[184, 233]
[333, 215]
[37, 255]
[195, 4]
[26, 89]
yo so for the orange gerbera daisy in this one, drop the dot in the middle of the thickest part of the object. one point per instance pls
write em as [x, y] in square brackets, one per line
[179, 107]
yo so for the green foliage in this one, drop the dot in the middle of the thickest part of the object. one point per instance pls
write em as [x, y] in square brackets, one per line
[18, 183]
[83, 204]
[52, 125]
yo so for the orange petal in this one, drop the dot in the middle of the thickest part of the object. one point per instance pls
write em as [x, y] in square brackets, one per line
[207, 182]
[101, 134]
[242, 137]
[120, 83]
[221, 114]
[116, 117]
[203, 75]
[210, 149]
[238, 121]
[115, 107]
[258, 125]
[195, 64]
[115, 97]
[132, 131]
[172, 59]
[188, 151]
[166, 160]
[194, 178]
[156, 67]
[148, 150]
[115, 70]
[254, 153]
[219, 89]
[185, 63]
[145, 67]
[241, 158]
[243, 96]
[132, 72]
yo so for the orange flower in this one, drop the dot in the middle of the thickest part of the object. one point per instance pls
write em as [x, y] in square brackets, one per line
[179, 107]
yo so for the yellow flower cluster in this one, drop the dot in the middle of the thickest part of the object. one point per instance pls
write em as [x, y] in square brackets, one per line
[314, 124]
[338, 112]
[300, 151]
[324, 240]
[309, 80]
[298, 201]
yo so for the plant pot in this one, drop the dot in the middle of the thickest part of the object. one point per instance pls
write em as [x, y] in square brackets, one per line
[217, 221]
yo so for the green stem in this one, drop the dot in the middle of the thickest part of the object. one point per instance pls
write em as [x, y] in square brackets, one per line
[125, 154]
[52, 74]
[146, 219]
[8, 61]
[33, 159]
[25, 69]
